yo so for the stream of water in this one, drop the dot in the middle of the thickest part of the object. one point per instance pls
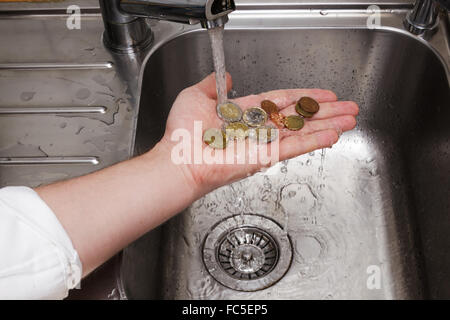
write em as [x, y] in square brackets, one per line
[216, 37]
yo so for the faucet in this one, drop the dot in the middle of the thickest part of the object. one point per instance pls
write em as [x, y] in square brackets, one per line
[127, 31]
[424, 16]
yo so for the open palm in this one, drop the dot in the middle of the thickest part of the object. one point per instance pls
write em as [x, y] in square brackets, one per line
[198, 103]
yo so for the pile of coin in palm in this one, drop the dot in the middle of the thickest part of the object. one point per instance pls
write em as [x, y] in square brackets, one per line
[251, 123]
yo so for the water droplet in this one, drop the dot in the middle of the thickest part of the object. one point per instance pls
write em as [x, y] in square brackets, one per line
[27, 96]
[83, 93]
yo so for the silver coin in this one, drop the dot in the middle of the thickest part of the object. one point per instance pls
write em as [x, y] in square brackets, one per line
[255, 117]
[229, 112]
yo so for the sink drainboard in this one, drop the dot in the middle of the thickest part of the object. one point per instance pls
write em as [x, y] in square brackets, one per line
[247, 252]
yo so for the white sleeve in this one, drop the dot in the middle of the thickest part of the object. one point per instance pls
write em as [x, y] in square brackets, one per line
[37, 258]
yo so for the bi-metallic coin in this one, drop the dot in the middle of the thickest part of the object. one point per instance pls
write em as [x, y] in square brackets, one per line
[236, 130]
[229, 112]
[215, 138]
[254, 117]
[264, 134]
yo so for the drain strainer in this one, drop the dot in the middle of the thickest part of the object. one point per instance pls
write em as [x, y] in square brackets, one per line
[247, 252]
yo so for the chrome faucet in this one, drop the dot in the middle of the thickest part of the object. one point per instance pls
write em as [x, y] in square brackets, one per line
[126, 29]
[424, 16]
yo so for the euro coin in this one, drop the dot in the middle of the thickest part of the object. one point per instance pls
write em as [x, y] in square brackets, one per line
[215, 138]
[229, 112]
[236, 130]
[264, 134]
[254, 117]
[302, 112]
[278, 119]
[269, 107]
[294, 123]
[309, 104]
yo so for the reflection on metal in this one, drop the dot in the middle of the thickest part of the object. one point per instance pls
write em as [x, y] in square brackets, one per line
[367, 201]
[51, 110]
[48, 160]
[247, 252]
[126, 30]
[55, 66]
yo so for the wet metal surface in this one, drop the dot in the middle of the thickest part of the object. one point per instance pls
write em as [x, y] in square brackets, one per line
[65, 108]
[363, 208]
[247, 252]
[377, 201]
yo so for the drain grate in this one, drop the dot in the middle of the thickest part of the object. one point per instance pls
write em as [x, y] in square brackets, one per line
[247, 252]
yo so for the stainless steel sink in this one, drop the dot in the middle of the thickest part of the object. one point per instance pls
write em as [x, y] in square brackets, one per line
[377, 201]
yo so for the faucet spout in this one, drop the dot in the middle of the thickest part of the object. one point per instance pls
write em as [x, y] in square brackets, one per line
[184, 11]
[126, 30]
[424, 16]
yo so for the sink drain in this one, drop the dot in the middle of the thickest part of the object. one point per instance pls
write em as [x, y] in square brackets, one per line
[247, 253]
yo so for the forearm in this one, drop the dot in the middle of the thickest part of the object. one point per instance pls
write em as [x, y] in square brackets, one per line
[105, 211]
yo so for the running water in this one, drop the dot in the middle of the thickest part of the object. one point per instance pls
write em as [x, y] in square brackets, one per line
[216, 37]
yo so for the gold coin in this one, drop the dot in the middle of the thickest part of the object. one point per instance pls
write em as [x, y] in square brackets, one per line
[236, 130]
[302, 112]
[229, 112]
[269, 107]
[254, 117]
[215, 138]
[309, 104]
[294, 123]
[264, 134]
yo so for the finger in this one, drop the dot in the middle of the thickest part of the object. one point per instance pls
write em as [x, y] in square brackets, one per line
[208, 85]
[286, 97]
[329, 110]
[291, 147]
[340, 124]
[248, 101]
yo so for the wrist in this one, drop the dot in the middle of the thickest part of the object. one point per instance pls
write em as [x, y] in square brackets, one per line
[178, 175]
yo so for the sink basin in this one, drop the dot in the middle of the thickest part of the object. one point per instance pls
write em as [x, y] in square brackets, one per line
[367, 219]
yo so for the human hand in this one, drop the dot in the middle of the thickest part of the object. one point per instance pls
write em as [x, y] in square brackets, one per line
[152, 188]
[198, 103]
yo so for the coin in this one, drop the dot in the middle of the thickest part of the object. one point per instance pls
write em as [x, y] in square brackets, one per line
[302, 112]
[269, 107]
[294, 123]
[215, 138]
[236, 130]
[254, 117]
[264, 134]
[278, 119]
[229, 112]
[309, 104]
